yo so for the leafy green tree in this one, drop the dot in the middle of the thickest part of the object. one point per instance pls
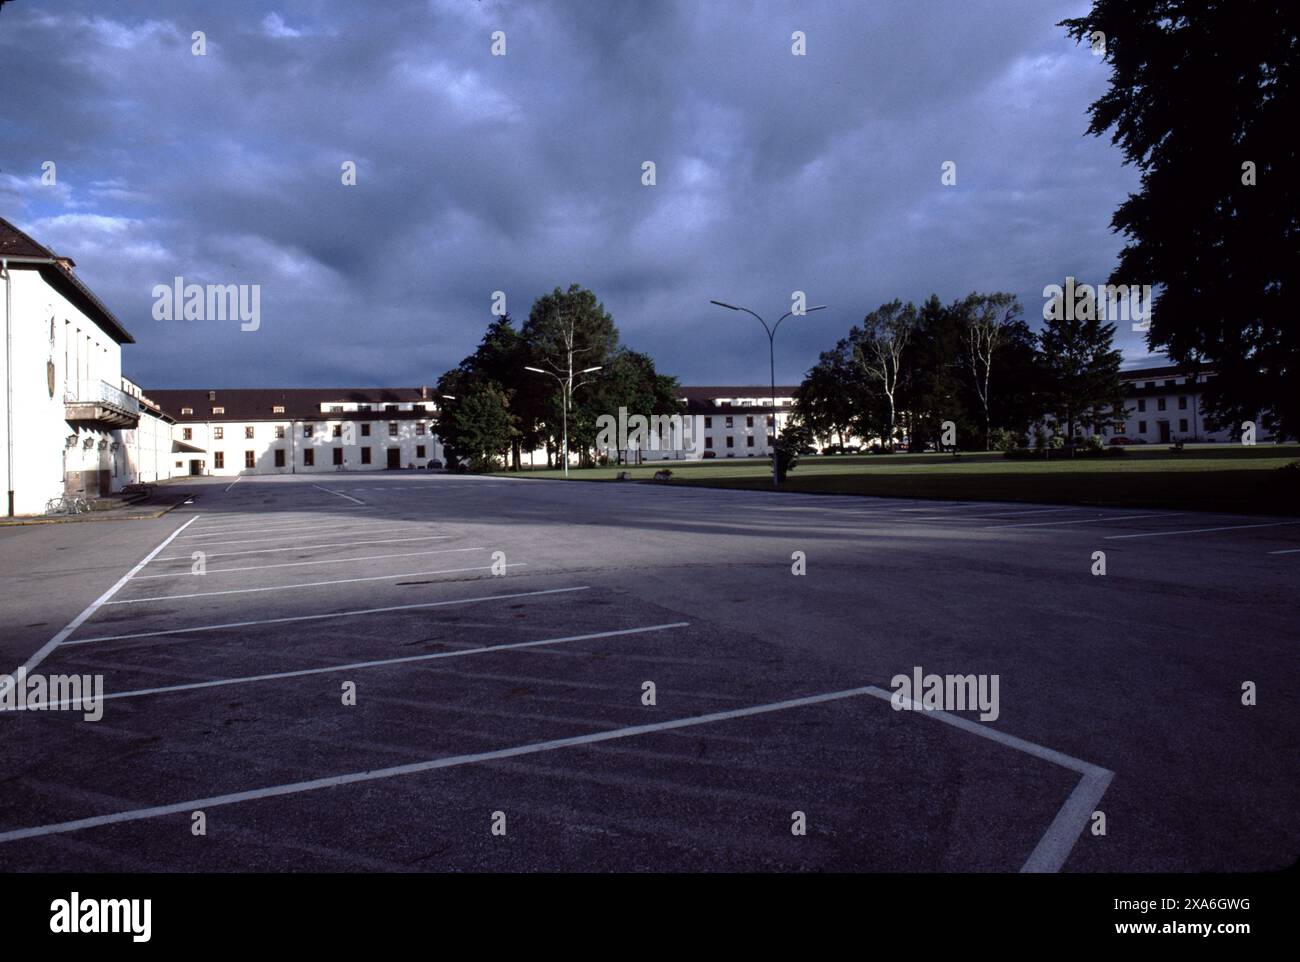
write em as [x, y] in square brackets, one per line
[476, 426]
[1202, 100]
[1081, 367]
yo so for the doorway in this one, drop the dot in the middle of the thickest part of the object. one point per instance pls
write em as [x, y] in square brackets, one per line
[394, 458]
[1164, 431]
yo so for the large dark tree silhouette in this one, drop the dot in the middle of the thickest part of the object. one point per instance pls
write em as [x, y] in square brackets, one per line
[1203, 100]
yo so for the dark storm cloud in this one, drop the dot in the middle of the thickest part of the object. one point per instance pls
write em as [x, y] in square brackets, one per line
[520, 173]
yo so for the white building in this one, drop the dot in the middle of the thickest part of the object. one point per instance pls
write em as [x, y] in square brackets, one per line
[726, 421]
[234, 431]
[68, 424]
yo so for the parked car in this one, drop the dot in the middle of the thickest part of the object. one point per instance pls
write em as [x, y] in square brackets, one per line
[435, 465]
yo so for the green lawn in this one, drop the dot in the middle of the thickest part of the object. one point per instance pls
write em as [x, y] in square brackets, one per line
[1204, 477]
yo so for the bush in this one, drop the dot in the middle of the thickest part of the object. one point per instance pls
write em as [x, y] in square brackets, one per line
[1002, 439]
[787, 457]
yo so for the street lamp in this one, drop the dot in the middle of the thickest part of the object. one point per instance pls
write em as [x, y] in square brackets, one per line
[566, 393]
[771, 359]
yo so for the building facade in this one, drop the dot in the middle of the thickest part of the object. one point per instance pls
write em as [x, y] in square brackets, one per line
[70, 424]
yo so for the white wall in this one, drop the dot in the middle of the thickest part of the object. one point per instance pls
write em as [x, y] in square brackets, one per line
[233, 445]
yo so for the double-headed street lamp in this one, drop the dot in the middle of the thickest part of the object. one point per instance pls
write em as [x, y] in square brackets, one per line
[566, 391]
[771, 359]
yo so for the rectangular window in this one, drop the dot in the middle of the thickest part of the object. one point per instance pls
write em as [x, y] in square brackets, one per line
[708, 422]
[729, 420]
[218, 434]
[277, 408]
[248, 430]
[365, 430]
[365, 455]
[187, 434]
[419, 450]
[338, 455]
[307, 430]
[749, 420]
[1142, 405]
[336, 409]
[392, 429]
[1182, 424]
[1160, 404]
[218, 410]
[308, 457]
[419, 427]
[279, 457]
[1142, 427]
[279, 432]
[417, 407]
[186, 411]
[390, 407]
[1182, 403]
[731, 442]
[337, 431]
[749, 441]
[219, 459]
[771, 422]
[363, 407]
[708, 444]
[250, 459]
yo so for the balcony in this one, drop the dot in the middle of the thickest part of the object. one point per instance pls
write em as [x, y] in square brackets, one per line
[98, 402]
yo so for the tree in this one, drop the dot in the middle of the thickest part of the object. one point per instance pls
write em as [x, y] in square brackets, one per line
[878, 349]
[1203, 99]
[1082, 369]
[988, 319]
[836, 396]
[476, 426]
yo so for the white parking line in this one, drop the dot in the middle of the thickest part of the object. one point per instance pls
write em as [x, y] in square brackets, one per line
[1286, 551]
[990, 517]
[299, 564]
[333, 532]
[1231, 527]
[1048, 856]
[339, 494]
[335, 614]
[311, 547]
[1122, 517]
[94, 606]
[330, 669]
[309, 584]
[235, 482]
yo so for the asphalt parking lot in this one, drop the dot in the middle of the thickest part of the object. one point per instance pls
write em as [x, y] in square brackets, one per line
[499, 636]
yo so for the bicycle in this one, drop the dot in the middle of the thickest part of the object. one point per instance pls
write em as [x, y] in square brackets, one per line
[67, 505]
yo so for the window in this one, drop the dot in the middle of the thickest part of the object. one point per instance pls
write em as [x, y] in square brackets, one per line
[1142, 427]
[708, 444]
[731, 442]
[708, 422]
[390, 407]
[1160, 404]
[219, 459]
[417, 407]
[212, 395]
[336, 409]
[1182, 403]
[729, 420]
[771, 422]
[392, 429]
[307, 430]
[338, 455]
[1142, 405]
[363, 407]
[365, 430]
[337, 431]
[1149, 384]
[279, 432]
[185, 411]
[419, 450]
[749, 420]
[308, 457]
[250, 459]
[277, 408]
[187, 434]
[279, 457]
[248, 430]
[419, 427]
[218, 434]
[218, 410]
[749, 441]
[365, 455]
[1182, 424]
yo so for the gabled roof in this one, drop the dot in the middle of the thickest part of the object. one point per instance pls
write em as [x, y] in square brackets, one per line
[59, 275]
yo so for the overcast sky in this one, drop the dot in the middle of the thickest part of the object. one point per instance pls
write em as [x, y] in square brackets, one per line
[521, 172]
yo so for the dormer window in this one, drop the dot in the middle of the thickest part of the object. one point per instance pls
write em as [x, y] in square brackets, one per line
[218, 410]
[186, 411]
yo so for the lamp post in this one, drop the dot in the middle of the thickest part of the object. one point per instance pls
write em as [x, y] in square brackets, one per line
[566, 393]
[771, 361]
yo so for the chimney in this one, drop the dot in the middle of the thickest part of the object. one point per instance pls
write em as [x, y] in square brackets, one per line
[424, 393]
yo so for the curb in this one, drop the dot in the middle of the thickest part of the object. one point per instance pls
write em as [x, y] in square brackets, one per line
[84, 519]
